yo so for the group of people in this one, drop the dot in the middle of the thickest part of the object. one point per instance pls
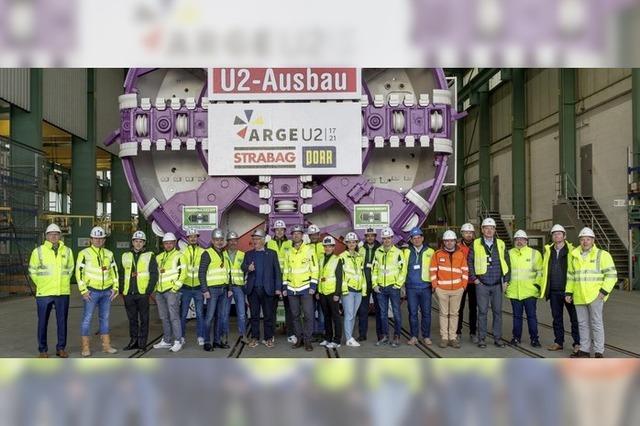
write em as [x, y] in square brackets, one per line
[316, 284]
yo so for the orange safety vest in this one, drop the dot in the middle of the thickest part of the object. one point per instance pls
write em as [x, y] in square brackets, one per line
[449, 271]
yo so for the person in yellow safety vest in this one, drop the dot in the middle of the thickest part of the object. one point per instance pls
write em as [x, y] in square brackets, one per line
[329, 292]
[554, 284]
[418, 286]
[591, 277]
[138, 276]
[50, 269]
[281, 245]
[214, 284]
[354, 287]
[97, 278]
[191, 257]
[488, 262]
[234, 259]
[388, 276]
[168, 294]
[315, 239]
[300, 281]
[524, 287]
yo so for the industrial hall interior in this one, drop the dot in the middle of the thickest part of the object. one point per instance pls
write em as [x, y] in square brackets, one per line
[319, 212]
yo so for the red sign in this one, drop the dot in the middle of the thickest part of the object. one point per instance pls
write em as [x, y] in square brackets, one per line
[237, 84]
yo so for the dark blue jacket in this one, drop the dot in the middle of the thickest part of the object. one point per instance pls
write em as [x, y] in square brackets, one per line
[271, 276]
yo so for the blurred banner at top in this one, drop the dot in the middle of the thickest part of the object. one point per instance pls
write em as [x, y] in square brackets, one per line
[188, 33]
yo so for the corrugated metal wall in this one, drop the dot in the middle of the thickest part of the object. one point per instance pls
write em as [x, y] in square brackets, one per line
[15, 87]
[65, 99]
[109, 85]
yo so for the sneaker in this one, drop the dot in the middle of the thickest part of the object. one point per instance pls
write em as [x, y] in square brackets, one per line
[383, 341]
[177, 346]
[427, 341]
[353, 343]
[162, 345]
[362, 338]
[443, 344]
[336, 345]
[330, 345]
[307, 346]
[554, 347]
[576, 348]
[536, 343]
[413, 341]
[499, 343]
[200, 341]
[474, 339]
[182, 340]
[292, 339]
[482, 344]
[396, 342]
[324, 343]
[514, 342]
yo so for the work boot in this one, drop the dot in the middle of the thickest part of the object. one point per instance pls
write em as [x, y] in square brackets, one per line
[443, 344]
[427, 341]
[298, 344]
[554, 347]
[482, 344]
[514, 342]
[499, 343]
[536, 343]
[86, 350]
[208, 347]
[62, 353]
[455, 343]
[307, 346]
[413, 341]
[133, 344]
[106, 344]
[43, 355]
[580, 354]
[599, 355]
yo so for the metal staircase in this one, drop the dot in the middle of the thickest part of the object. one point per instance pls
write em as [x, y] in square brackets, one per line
[501, 229]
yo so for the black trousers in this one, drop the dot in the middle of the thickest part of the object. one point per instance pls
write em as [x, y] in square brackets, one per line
[259, 299]
[558, 304]
[137, 306]
[470, 291]
[332, 320]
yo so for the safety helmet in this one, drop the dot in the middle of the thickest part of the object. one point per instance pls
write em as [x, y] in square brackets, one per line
[415, 232]
[370, 231]
[169, 236]
[387, 233]
[489, 222]
[232, 235]
[328, 241]
[217, 233]
[192, 231]
[279, 224]
[351, 236]
[467, 227]
[53, 228]
[586, 232]
[139, 235]
[557, 228]
[98, 232]
[449, 235]
[520, 234]
[258, 233]
[297, 228]
[313, 229]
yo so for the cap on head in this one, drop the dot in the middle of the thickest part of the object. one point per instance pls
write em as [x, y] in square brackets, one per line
[387, 233]
[297, 228]
[139, 235]
[489, 222]
[169, 236]
[449, 235]
[53, 228]
[557, 228]
[313, 229]
[415, 232]
[232, 235]
[258, 233]
[351, 236]
[328, 241]
[279, 224]
[217, 233]
[520, 234]
[467, 227]
[586, 232]
[98, 232]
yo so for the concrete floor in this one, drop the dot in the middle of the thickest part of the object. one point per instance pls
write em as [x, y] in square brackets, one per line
[18, 331]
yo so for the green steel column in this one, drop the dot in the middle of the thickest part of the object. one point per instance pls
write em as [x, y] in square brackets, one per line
[635, 113]
[568, 129]
[120, 206]
[26, 159]
[460, 193]
[518, 169]
[484, 125]
[83, 169]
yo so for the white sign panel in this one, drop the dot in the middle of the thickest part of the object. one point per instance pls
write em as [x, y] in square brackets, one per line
[285, 139]
[243, 84]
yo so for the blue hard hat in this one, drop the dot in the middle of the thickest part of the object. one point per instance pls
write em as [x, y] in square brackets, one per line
[415, 231]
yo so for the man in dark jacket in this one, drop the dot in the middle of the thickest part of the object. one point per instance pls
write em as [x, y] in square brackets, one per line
[264, 284]
[368, 251]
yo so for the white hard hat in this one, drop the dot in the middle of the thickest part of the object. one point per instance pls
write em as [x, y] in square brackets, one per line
[139, 235]
[370, 231]
[467, 227]
[520, 234]
[489, 222]
[586, 232]
[313, 229]
[558, 228]
[279, 224]
[258, 233]
[98, 232]
[449, 235]
[297, 228]
[232, 235]
[192, 231]
[351, 236]
[328, 241]
[217, 233]
[53, 228]
[387, 233]
[169, 237]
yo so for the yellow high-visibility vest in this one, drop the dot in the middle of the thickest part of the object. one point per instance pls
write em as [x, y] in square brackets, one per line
[51, 272]
[96, 268]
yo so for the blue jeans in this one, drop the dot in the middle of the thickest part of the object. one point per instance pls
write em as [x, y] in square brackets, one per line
[238, 296]
[101, 299]
[217, 300]
[194, 293]
[386, 295]
[528, 305]
[318, 322]
[44, 305]
[350, 303]
[419, 298]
